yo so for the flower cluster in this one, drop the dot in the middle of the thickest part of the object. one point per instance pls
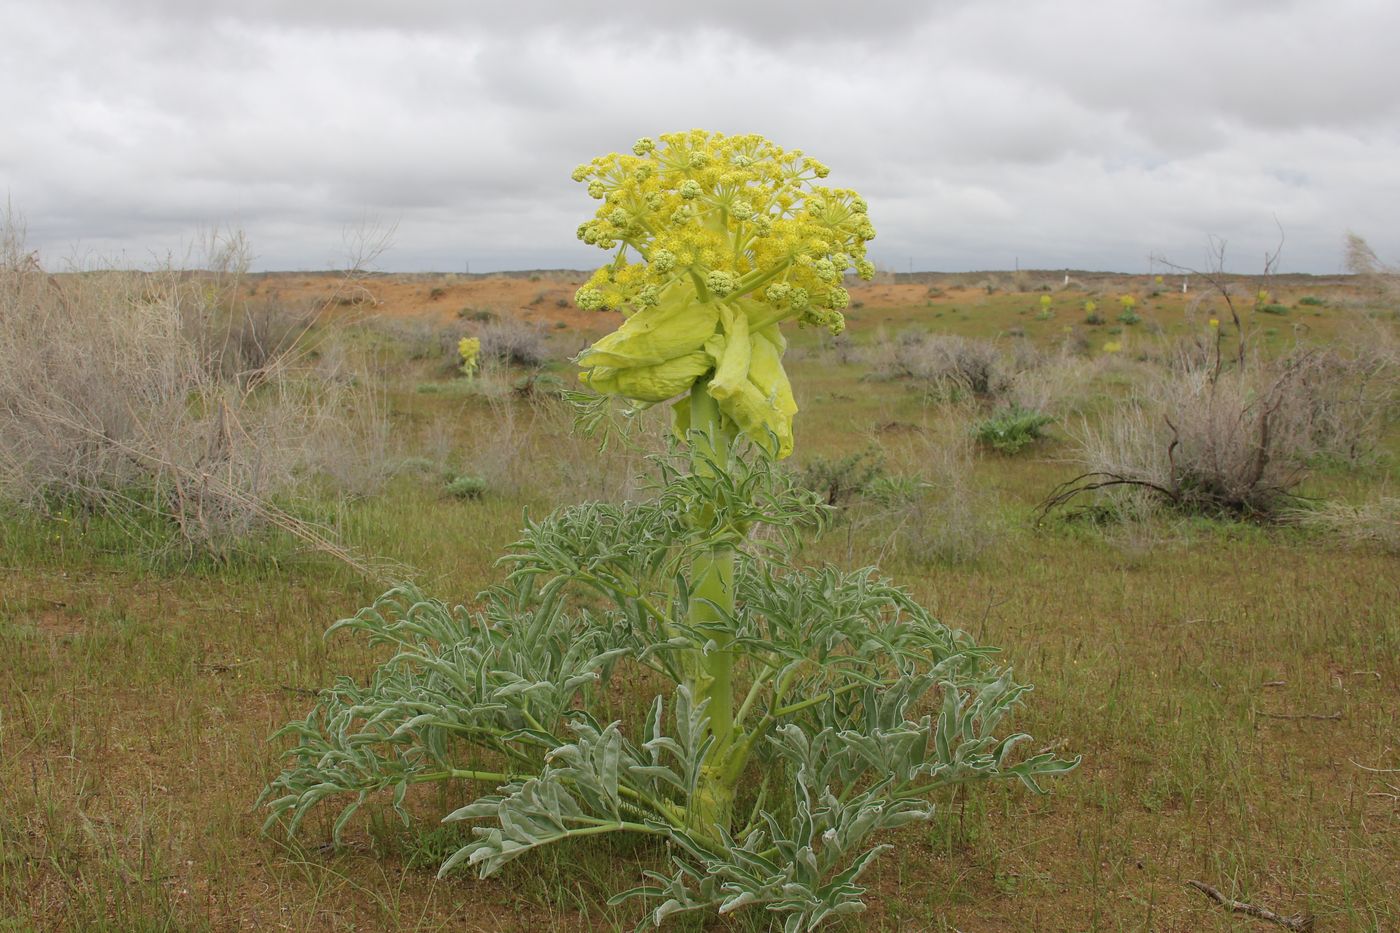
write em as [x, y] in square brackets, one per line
[717, 240]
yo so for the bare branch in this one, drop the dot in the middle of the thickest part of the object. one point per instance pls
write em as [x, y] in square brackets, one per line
[1298, 922]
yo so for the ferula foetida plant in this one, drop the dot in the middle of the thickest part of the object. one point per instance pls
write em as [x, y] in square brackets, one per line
[469, 350]
[777, 718]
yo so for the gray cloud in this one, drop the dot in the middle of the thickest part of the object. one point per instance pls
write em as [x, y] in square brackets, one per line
[1079, 134]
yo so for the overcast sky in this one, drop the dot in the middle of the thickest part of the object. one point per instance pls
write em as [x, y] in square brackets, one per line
[984, 134]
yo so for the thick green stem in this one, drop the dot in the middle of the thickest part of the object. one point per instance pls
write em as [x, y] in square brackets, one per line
[711, 606]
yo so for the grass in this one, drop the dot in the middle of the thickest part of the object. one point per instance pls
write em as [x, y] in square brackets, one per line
[1183, 659]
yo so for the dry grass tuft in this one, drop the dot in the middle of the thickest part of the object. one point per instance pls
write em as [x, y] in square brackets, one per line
[949, 520]
[1373, 524]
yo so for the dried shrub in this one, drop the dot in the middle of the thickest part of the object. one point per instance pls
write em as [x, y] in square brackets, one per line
[136, 395]
[247, 337]
[1377, 276]
[1354, 390]
[1236, 442]
[948, 366]
[514, 342]
[953, 521]
[1196, 352]
[1060, 386]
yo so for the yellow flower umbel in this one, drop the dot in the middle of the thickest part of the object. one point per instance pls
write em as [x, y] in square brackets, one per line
[718, 240]
[469, 349]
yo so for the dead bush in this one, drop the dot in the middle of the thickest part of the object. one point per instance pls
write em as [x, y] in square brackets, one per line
[1354, 388]
[514, 342]
[1060, 386]
[1235, 442]
[948, 366]
[247, 337]
[1376, 276]
[953, 521]
[119, 395]
[1189, 353]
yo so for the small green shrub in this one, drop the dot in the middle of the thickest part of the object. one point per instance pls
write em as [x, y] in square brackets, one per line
[1011, 429]
[466, 486]
[480, 315]
[837, 482]
[436, 292]
[1273, 309]
[1129, 317]
[1093, 319]
[1311, 301]
[514, 342]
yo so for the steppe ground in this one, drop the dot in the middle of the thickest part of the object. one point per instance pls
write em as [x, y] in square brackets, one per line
[1233, 687]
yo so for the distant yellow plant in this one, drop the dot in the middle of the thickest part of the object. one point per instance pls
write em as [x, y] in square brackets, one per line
[1113, 346]
[1214, 322]
[1128, 302]
[469, 349]
[1090, 306]
[1045, 302]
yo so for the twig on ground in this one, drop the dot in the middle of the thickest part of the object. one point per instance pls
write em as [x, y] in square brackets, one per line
[222, 667]
[1327, 716]
[1298, 922]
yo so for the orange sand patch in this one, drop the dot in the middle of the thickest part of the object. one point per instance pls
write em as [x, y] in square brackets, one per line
[545, 298]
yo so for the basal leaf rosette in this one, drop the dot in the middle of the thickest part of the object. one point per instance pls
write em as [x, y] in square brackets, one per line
[718, 240]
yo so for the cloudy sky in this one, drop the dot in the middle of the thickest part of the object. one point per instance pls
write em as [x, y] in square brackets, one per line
[984, 134]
